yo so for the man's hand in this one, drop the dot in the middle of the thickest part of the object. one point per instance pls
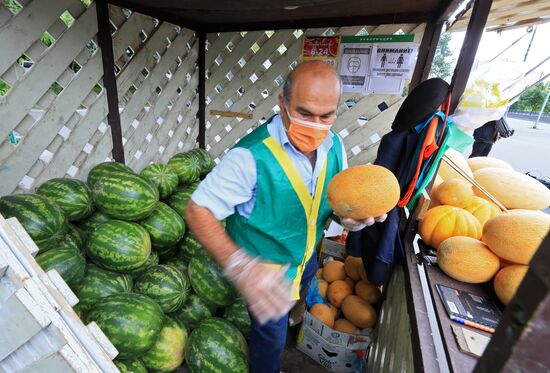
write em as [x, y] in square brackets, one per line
[266, 290]
[356, 225]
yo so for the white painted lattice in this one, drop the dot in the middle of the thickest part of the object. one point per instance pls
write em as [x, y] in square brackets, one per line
[246, 71]
[53, 98]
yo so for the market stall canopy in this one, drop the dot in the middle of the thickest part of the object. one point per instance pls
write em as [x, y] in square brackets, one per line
[243, 15]
[506, 14]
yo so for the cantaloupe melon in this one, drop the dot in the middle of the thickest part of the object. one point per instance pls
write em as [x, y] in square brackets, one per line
[350, 282]
[353, 265]
[433, 199]
[343, 325]
[482, 209]
[322, 313]
[361, 192]
[333, 271]
[322, 285]
[516, 237]
[446, 172]
[444, 221]
[337, 291]
[359, 312]
[337, 312]
[369, 292]
[319, 273]
[508, 280]
[513, 189]
[454, 192]
[467, 259]
[477, 163]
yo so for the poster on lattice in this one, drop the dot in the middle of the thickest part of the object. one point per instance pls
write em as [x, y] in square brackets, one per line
[354, 65]
[394, 61]
[323, 48]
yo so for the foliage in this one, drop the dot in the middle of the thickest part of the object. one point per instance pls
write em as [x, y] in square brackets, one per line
[443, 61]
[531, 100]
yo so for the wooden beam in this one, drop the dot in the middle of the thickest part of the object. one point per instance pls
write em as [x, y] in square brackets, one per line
[468, 51]
[426, 53]
[231, 114]
[109, 79]
[202, 83]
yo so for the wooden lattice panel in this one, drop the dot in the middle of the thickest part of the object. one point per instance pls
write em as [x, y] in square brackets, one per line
[58, 105]
[245, 75]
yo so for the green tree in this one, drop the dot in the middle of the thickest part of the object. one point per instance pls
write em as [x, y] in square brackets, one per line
[443, 61]
[531, 99]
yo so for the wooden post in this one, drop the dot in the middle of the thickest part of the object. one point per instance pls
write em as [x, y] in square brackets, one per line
[109, 79]
[426, 53]
[202, 82]
[476, 25]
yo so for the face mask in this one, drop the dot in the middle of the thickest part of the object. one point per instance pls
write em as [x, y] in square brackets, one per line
[307, 136]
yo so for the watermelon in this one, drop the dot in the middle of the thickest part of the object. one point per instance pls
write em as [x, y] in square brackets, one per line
[206, 162]
[70, 264]
[43, 219]
[73, 196]
[72, 240]
[209, 282]
[177, 262]
[163, 177]
[237, 314]
[78, 310]
[167, 252]
[99, 283]
[130, 366]
[194, 311]
[216, 346]
[186, 166]
[190, 247]
[179, 200]
[125, 196]
[152, 261]
[165, 227]
[106, 168]
[87, 226]
[166, 285]
[131, 321]
[168, 352]
[119, 245]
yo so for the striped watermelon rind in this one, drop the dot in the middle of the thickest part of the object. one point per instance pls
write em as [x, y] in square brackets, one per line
[237, 314]
[166, 253]
[168, 352]
[130, 321]
[152, 261]
[179, 200]
[98, 284]
[106, 168]
[125, 196]
[194, 311]
[119, 246]
[43, 220]
[164, 225]
[130, 366]
[72, 195]
[179, 263]
[186, 166]
[190, 247]
[163, 177]
[70, 264]
[87, 226]
[206, 162]
[216, 346]
[209, 282]
[165, 285]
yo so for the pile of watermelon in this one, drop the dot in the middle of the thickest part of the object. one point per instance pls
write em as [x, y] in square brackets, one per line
[120, 242]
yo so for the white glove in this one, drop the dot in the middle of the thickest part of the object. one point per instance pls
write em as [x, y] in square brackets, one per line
[353, 225]
[267, 291]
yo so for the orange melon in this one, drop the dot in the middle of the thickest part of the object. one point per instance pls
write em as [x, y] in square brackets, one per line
[363, 273]
[337, 291]
[323, 288]
[467, 259]
[350, 282]
[335, 311]
[333, 271]
[507, 281]
[513, 189]
[454, 192]
[360, 192]
[369, 292]
[444, 221]
[516, 237]
[482, 209]
[319, 273]
[353, 265]
[344, 326]
[477, 163]
[359, 312]
[323, 313]
[447, 172]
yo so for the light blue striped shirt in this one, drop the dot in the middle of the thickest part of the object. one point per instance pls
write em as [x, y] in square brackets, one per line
[231, 185]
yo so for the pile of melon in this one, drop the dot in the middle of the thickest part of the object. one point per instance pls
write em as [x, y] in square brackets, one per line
[349, 296]
[475, 240]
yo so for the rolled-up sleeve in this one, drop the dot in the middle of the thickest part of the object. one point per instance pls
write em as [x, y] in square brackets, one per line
[232, 182]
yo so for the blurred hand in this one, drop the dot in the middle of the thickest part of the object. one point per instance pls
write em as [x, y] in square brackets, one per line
[356, 225]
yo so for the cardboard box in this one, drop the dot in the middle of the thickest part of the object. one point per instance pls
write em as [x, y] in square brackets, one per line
[335, 351]
[333, 249]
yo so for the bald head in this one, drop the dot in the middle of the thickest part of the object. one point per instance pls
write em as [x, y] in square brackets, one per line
[312, 75]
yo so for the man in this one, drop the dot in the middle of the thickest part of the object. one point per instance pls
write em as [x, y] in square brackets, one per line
[271, 188]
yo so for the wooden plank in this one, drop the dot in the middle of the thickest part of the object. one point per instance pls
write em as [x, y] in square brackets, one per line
[231, 114]
[64, 360]
[24, 94]
[102, 149]
[189, 141]
[221, 41]
[23, 236]
[27, 26]
[426, 54]
[201, 88]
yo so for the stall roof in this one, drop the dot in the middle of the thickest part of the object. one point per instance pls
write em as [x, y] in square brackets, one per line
[243, 15]
[507, 14]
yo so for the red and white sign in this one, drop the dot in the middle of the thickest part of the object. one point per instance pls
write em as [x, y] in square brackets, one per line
[324, 48]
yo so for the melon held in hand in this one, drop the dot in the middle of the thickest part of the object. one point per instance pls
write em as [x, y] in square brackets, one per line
[361, 192]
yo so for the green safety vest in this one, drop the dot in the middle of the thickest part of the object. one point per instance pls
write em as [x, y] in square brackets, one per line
[286, 222]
